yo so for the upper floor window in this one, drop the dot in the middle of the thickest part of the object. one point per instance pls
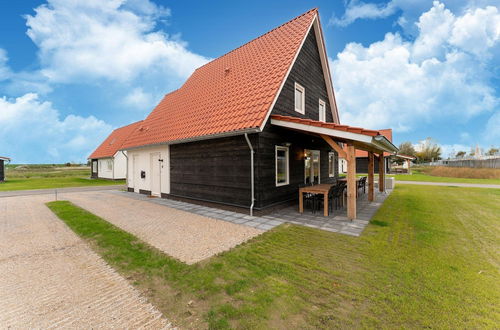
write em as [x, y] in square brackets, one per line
[300, 96]
[322, 110]
[282, 173]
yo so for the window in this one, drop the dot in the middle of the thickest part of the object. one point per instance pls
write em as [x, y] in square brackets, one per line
[331, 164]
[300, 96]
[282, 176]
[322, 110]
[109, 162]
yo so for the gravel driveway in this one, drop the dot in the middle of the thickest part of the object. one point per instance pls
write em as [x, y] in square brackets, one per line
[50, 278]
[186, 236]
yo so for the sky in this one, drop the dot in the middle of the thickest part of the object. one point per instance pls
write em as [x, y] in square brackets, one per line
[73, 70]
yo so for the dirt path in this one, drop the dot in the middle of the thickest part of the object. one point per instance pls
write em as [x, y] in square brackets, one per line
[50, 278]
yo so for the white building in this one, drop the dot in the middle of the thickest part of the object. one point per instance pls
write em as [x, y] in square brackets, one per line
[107, 161]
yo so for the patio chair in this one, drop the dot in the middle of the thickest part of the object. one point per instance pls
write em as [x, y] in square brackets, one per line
[362, 185]
[309, 198]
[338, 195]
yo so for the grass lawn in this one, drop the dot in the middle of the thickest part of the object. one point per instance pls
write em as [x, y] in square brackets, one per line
[430, 178]
[27, 177]
[428, 259]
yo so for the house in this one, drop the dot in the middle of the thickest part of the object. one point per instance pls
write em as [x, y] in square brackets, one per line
[108, 161]
[362, 156]
[2, 167]
[248, 127]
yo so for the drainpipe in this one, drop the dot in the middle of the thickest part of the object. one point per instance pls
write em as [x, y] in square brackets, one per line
[126, 171]
[251, 173]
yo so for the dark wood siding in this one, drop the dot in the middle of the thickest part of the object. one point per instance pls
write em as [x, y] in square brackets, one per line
[308, 72]
[362, 164]
[267, 193]
[216, 170]
[2, 171]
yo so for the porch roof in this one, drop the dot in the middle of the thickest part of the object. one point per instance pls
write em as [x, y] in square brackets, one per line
[364, 139]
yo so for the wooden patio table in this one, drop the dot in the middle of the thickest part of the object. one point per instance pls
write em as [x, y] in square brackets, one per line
[316, 189]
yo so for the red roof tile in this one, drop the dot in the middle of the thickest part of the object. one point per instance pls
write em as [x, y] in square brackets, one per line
[317, 123]
[233, 92]
[114, 141]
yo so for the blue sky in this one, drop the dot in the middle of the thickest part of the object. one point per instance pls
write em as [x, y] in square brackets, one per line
[72, 70]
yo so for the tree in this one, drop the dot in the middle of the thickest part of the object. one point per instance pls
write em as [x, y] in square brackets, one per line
[407, 149]
[492, 152]
[460, 154]
[428, 151]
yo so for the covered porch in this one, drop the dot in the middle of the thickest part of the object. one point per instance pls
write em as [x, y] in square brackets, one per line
[354, 138]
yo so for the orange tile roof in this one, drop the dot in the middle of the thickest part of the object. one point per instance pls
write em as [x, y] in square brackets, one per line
[114, 141]
[317, 123]
[231, 93]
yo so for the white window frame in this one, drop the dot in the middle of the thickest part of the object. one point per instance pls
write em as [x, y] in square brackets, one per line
[287, 168]
[109, 163]
[331, 166]
[303, 101]
[322, 110]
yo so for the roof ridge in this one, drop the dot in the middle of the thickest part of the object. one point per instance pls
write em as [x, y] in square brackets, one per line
[256, 38]
[136, 122]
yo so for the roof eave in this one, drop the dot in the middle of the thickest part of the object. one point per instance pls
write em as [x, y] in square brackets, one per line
[197, 138]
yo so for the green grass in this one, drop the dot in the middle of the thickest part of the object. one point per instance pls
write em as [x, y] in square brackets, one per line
[26, 177]
[416, 176]
[428, 259]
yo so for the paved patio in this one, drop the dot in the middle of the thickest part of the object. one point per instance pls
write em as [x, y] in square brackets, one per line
[336, 222]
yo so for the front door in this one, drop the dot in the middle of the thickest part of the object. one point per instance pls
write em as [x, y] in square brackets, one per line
[311, 167]
[155, 174]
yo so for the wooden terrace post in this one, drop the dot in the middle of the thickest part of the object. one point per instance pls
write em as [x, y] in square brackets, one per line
[408, 163]
[381, 173]
[371, 170]
[351, 182]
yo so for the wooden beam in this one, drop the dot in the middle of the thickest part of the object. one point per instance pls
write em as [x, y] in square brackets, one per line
[409, 168]
[335, 146]
[381, 173]
[351, 182]
[371, 170]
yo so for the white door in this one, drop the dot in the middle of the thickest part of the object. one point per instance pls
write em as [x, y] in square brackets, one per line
[155, 174]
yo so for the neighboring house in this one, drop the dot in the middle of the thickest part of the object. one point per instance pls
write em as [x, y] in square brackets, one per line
[362, 158]
[108, 161]
[248, 127]
[2, 167]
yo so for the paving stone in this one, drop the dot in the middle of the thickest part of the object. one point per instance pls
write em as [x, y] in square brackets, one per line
[265, 226]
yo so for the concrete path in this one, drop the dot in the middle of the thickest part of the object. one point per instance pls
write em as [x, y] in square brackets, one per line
[52, 191]
[183, 235]
[49, 277]
[453, 184]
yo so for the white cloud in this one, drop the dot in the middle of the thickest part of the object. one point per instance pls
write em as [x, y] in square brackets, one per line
[33, 130]
[360, 10]
[114, 40]
[139, 99]
[492, 131]
[403, 84]
[5, 72]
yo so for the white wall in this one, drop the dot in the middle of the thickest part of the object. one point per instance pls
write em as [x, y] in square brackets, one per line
[120, 165]
[102, 168]
[141, 158]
